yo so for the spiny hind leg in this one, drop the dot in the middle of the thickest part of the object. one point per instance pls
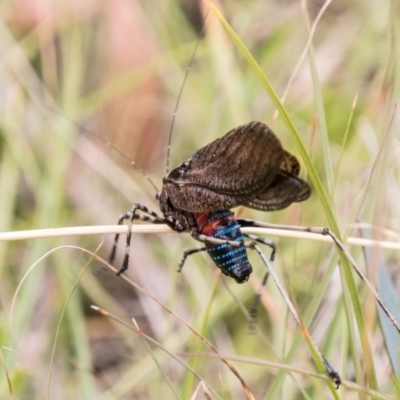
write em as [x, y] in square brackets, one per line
[327, 232]
[130, 216]
[264, 241]
[332, 374]
[256, 303]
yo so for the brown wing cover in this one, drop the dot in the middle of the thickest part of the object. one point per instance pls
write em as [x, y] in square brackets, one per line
[236, 169]
[240, 163]
[285, 189]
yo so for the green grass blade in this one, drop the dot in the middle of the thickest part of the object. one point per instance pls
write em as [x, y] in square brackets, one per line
[346, 268]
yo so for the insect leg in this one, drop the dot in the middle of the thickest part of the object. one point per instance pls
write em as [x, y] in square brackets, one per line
[333, 375]
[261, 240]
[186, 254]
[256, 303]
[208, 239]
[130, 216]
[327, 232]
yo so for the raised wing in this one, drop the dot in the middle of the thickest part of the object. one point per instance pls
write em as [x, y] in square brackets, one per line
[285, 189]
[236, 169]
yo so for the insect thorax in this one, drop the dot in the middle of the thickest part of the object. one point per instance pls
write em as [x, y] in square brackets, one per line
[176, 219]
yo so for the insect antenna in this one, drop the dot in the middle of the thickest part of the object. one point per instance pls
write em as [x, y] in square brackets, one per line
[109, 144]
[188, 68]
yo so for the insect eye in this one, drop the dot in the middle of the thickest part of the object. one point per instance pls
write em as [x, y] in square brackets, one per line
[180, 172]
[175, 174]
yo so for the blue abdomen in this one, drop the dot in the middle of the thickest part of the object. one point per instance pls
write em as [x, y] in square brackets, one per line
[231, 260]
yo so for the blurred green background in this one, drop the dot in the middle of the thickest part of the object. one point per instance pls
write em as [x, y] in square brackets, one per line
[116, 67]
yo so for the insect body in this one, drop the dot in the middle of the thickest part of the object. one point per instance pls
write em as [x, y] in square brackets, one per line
[248, 166]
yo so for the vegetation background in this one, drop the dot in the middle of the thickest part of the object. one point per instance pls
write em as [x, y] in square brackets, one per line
[116, 67]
